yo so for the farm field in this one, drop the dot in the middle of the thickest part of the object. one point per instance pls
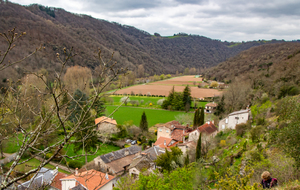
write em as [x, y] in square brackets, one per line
[164, 87]
[154, 116]
[184, 80]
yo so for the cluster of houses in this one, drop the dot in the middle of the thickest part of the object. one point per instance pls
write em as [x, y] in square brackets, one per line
[132, 160]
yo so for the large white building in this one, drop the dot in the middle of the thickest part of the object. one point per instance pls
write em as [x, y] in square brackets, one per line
[233, 119]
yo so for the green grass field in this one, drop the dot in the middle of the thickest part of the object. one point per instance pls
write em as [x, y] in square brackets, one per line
[11, 145]
[34, 163]
[147, 100]
[103, 149]
[154, 116]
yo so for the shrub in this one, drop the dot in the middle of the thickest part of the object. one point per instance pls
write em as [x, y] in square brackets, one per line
[241, 129]
[74, 164]
[160, 101]
[223, 143]
[255, 133]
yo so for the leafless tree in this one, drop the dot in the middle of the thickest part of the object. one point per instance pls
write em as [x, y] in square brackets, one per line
[50, 117]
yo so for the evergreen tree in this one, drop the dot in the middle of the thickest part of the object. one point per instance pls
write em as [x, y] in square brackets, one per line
[196, 119]
[77, 104]
[169, 100]
[186, 99]
[144, 122]
[187, 160]
[99, 107]
[86, 139]
[198, 149]
[201, 117]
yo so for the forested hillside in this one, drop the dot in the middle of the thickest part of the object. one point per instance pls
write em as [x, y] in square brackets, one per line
[55, 29]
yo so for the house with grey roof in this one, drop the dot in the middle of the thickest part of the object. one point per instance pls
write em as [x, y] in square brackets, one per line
[43, 178]
[144, 161]
[234, 118]
[115, 163]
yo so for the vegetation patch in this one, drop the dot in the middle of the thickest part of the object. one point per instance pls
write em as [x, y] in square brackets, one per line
[154, 116]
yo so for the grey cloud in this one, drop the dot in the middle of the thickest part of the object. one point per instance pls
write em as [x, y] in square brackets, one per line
[121, 5]
[191, 1]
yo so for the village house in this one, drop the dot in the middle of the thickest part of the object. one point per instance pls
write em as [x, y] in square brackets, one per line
[234, 118]
[88, 180]
[210, 107]
[208, 129]
[145, 161]
[43, 178]
[115, 163]
[187, 147]
[164, 142]
[173, 130]
[164, 130]
[106, 125]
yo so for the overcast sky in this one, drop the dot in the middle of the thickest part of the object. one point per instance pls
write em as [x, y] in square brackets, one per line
[230, 20]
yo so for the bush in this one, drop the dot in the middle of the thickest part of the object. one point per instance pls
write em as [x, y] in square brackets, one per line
[241, 129]
[255, 133]
[74, 164]
[223, 143]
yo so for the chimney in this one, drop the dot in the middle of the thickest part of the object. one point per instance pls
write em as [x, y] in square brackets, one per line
[208, 122]
[165, 143]
[106, 176]
[213, 122]
[76, 171]
[183, 131]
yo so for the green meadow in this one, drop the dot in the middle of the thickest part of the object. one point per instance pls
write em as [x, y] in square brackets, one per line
[147, 100]
[154, 116]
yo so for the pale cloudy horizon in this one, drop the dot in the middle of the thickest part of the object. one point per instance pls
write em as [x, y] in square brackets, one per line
[226, 20]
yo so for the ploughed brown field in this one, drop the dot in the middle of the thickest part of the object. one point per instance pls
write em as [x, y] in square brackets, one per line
[162, 88]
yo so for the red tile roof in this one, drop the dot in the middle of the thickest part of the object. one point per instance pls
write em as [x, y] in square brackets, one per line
[177, 134]
[207, 128]
[91, 179]
[161, 140]
[56, 181]
[106, 120]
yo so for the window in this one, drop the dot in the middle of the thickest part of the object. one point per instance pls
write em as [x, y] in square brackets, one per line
[226, 121]
[160, 130]
[223, 126]
[167, 131]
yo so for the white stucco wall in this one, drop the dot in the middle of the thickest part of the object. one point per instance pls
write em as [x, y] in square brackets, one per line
[67, 184]
[233, 120]
[108, 186]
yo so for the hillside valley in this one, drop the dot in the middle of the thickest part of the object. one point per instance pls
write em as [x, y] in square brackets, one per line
[55, 29]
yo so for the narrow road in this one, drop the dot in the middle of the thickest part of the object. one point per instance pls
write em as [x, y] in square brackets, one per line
[8, 158]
